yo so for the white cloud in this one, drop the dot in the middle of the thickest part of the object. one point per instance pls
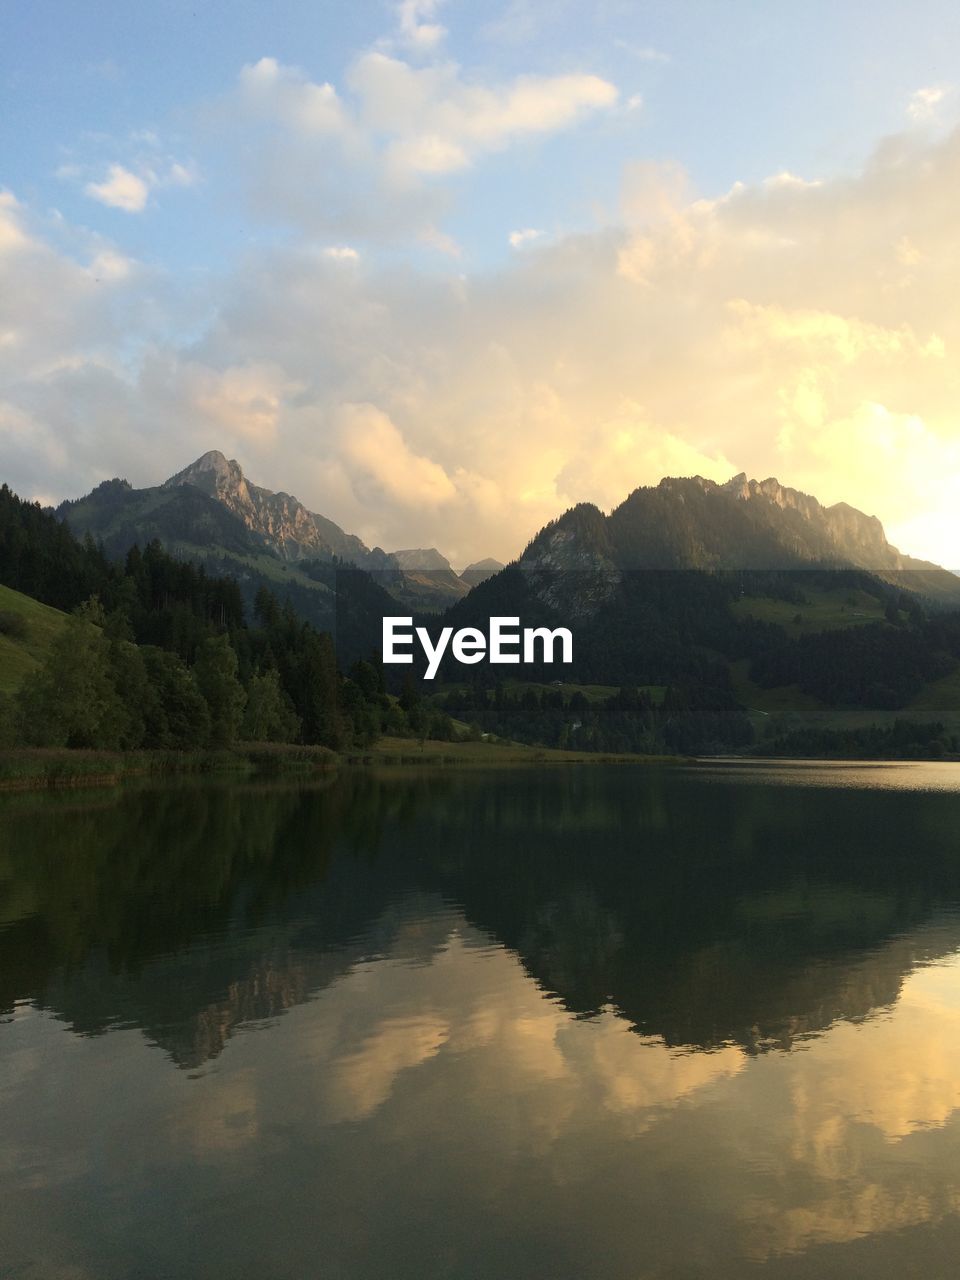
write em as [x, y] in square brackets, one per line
[180, 175]
[108, 264]
[12, 234]
[244, 400]
[341, 253]
[643, 52]
[432, 118]
[382, 462]
[289, 96]
[429, 153]
[925, 104]
[524, 236]
[434, 238]
[121, 189]
[369, 161]
[784, 328]
[127, 184]
[439, 121]
[416, 31]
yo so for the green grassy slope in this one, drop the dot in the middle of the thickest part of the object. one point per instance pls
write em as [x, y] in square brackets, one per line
[937, 701]
[823, 610]
[18, 657]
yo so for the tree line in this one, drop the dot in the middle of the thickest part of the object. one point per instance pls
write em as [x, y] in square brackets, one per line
[157, 653]
[685, 720]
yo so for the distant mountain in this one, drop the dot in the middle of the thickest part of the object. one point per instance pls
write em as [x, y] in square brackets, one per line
[429, 579]
[422, 559]
[707, 598]
[480, 571]
[743, 524]
[212, 514]
[282, 522]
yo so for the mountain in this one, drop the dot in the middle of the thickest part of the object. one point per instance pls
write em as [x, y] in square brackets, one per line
[704, 615]
[429, 579]
[422, 559]
[744, 524]
[212, 514]
[480, 571]
[426, 567]
[184, 520]
[282, 522]
[576, 562]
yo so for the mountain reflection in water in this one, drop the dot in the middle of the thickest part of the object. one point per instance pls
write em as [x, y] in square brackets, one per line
[598, 1021]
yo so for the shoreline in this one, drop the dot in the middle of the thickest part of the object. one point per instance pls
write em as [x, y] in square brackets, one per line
[49, 768]
[46, 768]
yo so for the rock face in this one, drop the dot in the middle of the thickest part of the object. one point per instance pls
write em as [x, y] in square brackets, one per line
[859, 539]
[480, 571]
[282, 521]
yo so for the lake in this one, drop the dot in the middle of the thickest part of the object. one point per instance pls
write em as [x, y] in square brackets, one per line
[609, 1022]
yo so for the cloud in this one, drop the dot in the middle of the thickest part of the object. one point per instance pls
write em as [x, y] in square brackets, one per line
[12, 234]
[128, 185]
[643, 52]
[371, 159]
[436, 120]
[786, 327]
[924, 105]
[341, 253]
[121, 189]
[286, 94]
[415, 32]
[382, 462]
[245, 400]
[628, 444]
[418, 120]
[524, 236]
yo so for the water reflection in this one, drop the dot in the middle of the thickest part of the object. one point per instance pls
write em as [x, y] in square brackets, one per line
[595, 1022]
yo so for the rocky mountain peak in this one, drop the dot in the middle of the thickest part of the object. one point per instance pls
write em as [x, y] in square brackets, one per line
[214, 460]
[282, 521]
[422, 558]
[787, 499]
[858, 536]
[216, 475]
[480, 570]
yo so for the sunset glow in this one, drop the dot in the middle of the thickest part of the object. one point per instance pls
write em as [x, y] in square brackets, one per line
[443, 271]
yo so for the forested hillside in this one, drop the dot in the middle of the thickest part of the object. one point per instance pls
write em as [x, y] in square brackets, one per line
[157, 653]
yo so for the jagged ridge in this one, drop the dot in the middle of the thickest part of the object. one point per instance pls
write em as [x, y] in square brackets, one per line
[282, 520]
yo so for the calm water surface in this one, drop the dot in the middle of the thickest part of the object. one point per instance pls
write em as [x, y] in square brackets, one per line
[606, 1022]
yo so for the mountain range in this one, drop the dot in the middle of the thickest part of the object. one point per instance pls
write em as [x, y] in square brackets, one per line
[704, 615]
[211, 509]
[211, 513]
[729, 589]
[740, 525]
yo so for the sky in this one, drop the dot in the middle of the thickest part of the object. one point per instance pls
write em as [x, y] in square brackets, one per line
[443, 268]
